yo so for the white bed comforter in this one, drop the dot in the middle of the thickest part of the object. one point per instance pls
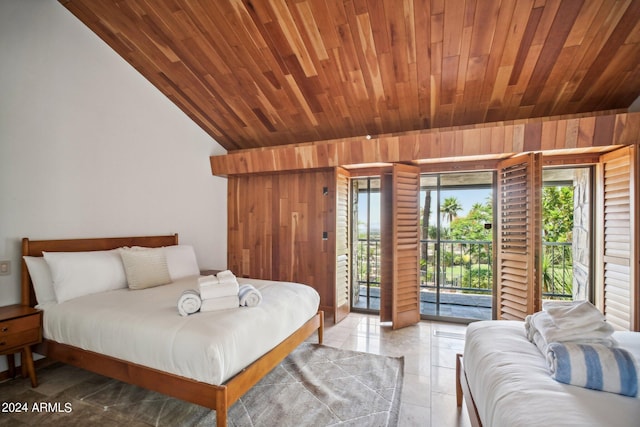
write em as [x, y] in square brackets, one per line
[144, 327]
[511, 386]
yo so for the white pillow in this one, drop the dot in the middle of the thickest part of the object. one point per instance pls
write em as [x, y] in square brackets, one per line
[182, 262]
[77, 274]
[41, 278]
[145, 267]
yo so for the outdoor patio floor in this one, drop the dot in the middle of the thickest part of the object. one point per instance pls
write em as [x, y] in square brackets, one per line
[455, 305]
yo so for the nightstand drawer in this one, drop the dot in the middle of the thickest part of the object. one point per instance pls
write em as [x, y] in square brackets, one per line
[18, 325]
[16, 341]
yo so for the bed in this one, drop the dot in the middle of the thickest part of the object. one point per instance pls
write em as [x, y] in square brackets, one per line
[162, 350]
[504, 381]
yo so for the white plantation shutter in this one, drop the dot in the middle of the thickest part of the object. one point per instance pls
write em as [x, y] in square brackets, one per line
[619, 227]
[519, 240]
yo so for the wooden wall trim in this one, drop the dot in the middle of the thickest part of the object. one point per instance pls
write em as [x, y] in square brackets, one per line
[585, 132]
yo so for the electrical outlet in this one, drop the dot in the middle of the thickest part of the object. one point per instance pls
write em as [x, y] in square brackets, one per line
[5, 268]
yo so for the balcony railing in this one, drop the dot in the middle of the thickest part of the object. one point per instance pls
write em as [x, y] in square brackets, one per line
[466, 266]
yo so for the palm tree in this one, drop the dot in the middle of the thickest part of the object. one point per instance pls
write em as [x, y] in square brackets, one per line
[450, 208]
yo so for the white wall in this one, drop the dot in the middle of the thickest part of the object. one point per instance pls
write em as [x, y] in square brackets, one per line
[89, 148]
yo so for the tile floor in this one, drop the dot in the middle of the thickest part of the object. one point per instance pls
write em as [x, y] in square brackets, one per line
[429, 349]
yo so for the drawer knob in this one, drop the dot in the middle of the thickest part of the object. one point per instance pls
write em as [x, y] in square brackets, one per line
[5, 328]
[3, 343]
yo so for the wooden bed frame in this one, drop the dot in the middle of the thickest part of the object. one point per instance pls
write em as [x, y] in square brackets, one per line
[219, 398]
[463, 390]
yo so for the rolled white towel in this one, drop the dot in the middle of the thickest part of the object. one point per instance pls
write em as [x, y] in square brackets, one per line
[221, 303]
[218, 290]
[249, 296]
[226, 276]
[189, 302]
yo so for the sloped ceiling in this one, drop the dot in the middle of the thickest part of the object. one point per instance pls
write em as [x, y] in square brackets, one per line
[274, 72]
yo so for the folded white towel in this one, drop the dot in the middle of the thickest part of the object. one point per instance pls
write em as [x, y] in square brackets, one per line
[226, 276]
[208, 280]
[221, 303]
[211, 287]
[574, 314]
[539, 341]
[249, 296]
[219, 290]
[189, 302]
[541, 331]
[544, 323]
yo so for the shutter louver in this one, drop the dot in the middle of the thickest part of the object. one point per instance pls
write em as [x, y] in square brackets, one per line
[519, 240]
[619, 246]
[406, 246]
[343, 282]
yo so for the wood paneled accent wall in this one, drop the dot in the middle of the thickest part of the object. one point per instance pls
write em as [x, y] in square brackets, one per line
[496, 139]
[275, 229]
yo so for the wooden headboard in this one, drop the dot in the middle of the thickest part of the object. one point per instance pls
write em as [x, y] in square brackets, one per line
[36, 247]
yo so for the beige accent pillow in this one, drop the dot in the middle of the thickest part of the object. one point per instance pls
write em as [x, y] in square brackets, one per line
[145, 267]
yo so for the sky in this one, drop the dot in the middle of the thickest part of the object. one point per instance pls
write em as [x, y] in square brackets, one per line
[467, 199]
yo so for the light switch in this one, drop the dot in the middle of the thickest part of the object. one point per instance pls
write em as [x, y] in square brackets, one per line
[5, 268]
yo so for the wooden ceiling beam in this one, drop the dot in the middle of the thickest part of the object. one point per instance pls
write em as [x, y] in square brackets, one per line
[575, 134]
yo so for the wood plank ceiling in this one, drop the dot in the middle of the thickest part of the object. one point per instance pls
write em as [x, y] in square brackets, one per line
[274, 72]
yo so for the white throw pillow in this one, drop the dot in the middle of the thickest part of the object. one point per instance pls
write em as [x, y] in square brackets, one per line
[182, 262]
[77, 274]
[41, 278]
[145, 267]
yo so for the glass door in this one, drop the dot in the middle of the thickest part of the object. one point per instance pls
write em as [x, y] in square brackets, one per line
[457, 238]
[567, 233]
[456, 260]
[365, 294]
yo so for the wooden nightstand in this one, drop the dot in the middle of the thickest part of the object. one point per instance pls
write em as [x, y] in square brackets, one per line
[20, 328]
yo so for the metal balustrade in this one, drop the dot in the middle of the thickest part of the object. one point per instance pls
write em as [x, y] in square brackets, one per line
[464, 267]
